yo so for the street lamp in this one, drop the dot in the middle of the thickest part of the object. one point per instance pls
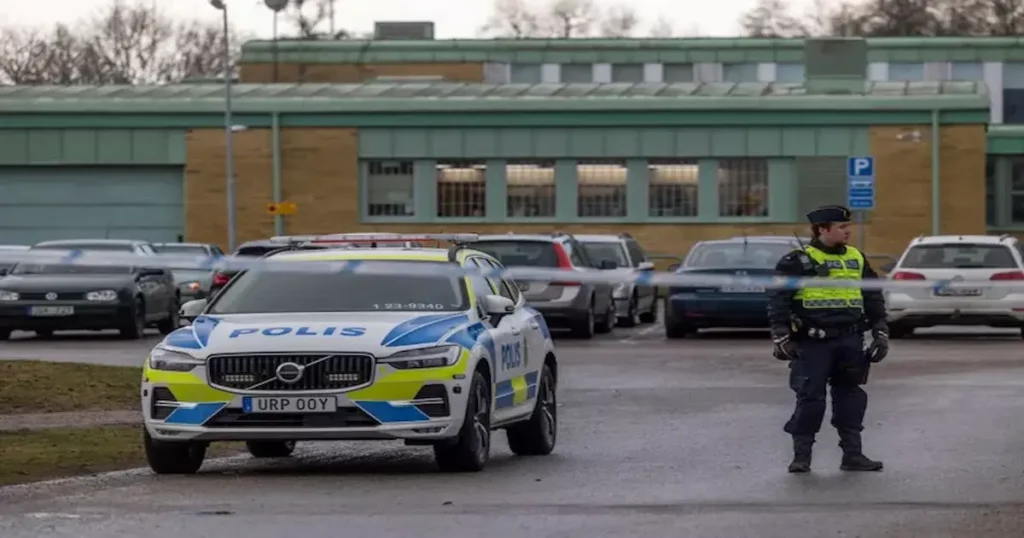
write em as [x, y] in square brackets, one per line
[229, 153]
[276, 6]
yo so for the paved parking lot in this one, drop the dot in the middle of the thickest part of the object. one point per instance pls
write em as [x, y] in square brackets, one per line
[658, 438]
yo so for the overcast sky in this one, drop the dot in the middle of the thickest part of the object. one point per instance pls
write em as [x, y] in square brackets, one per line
[458, 18]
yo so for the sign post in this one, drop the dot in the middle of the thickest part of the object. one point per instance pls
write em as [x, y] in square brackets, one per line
[860, 191]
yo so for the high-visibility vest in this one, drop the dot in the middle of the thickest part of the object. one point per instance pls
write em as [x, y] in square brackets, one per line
[847, 266]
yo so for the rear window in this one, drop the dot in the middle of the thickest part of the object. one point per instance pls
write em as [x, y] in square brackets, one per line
[600, 251]
[959, 256]
[85, 246]
[181, 249]
[520, 253]
[752, 254]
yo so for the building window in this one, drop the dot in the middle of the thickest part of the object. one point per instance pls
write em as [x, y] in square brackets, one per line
[739, 72]
[672, 191]
[601, 188]
[1013, 75]
[677, 73]
[789, 73]
[972, 71]
[530, 188]
[525, 73]
[906, 72]
[1017, 192]
[743, 188]
[577, 73]
[389, 189]
[627, 72]
[461, 189]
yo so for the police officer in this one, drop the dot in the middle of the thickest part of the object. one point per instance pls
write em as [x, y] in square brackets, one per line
[820, 331]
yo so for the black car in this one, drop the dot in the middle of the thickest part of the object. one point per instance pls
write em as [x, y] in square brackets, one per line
[49, 297]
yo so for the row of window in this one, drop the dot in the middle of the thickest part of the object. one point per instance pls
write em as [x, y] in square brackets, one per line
[742, 188]
[1013, 72]
[1012, 211]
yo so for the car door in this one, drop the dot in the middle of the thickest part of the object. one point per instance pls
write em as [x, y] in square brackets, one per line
[646, 294]
[510, 349]
[534, 334]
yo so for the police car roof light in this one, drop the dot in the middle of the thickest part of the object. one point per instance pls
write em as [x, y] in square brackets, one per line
[394, 238]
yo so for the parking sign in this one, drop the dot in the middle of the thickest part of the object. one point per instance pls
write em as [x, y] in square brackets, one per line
[860, 186]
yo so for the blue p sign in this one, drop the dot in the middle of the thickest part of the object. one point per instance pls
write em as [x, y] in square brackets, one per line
[860, 167]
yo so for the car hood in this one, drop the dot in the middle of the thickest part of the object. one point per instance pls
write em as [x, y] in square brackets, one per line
[379, 334]
[57, 283]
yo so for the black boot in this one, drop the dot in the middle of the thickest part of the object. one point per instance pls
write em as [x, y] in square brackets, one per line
[801, 454]
[853, 456]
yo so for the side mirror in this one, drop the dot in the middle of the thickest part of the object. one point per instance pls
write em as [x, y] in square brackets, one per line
[192, 309]
[496, 305]
[889, 267]
[645, 266]
[608, 264]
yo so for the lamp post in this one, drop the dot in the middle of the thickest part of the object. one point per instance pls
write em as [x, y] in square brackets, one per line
[229, 153]
[276, 6]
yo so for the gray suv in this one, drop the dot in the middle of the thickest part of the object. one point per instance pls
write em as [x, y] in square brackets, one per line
[584, 308]
[634, 303]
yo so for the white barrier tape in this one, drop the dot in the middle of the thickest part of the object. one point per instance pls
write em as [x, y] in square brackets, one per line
[93, 258]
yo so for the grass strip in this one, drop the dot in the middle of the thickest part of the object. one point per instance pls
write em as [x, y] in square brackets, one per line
[47, 387]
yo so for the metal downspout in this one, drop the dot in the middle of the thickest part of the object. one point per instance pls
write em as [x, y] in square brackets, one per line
[275, 140]
[936, 148]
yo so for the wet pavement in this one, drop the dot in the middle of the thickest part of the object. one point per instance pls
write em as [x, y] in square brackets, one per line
[658, 438]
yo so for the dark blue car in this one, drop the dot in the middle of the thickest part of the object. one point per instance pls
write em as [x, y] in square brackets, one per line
[693, 307]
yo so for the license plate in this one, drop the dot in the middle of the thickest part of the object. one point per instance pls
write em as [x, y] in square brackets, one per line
[742, 289]
[51, 311]
[289, 404]
[959, 292]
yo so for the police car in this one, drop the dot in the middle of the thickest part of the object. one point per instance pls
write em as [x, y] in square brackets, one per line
[432, 358]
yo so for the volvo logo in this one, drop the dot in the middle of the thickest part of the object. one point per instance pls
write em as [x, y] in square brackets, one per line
[289, 372]
[51, 296]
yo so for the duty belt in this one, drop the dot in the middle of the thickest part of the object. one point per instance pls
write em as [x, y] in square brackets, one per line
[819, 333]
[832, 303]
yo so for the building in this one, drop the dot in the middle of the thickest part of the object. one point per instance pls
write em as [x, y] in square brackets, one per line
[672, 140]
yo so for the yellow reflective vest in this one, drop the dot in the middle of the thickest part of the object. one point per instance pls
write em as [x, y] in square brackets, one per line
[847, 266]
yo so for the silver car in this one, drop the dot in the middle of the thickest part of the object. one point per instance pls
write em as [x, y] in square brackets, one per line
[634, 303]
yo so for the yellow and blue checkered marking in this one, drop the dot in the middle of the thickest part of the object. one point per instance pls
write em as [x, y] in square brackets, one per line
[389, 413]
[194, 414]
[195, 336]
[516, 391]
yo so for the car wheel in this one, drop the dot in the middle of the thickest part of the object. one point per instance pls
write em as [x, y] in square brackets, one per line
[172, 322]
[651, 316]
[632, 318]
[537, 436]
[270, 449]
[137, 329]
[180, 457]
[674, 329]
[5, 334]
[584, 328]
[44, 334]
[607, 319]
[470, 451]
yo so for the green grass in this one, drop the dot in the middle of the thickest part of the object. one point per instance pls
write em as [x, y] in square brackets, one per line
[34, 455]
[47, 387]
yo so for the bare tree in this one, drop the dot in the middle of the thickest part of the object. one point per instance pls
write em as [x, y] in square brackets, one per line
[520, 19]
[619, 21]
[772, 18]
[22, 56]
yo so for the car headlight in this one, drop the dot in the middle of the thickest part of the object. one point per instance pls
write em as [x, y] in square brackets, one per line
[431, 357]
[9, 296]
[101, 295]
[172, 361]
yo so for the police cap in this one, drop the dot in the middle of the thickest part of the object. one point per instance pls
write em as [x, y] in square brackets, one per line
[829, 213]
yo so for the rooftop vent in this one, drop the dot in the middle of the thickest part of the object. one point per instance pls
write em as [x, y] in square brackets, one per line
[407, 30]
[836, 65]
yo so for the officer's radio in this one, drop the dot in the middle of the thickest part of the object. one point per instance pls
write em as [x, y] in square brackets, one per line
[807, 263]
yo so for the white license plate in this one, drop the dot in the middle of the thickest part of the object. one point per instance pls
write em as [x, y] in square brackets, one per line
[51, 311]
[743, 289]
[959, 292]
[289, 404]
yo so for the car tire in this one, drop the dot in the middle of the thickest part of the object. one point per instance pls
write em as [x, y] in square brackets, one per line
[180, 457]
[44, 334]
[538, 435]
[470, 451]
[632, 318]
[172, 322]
[608, 320]
[900, 331]
[651, 316]
[137, 327]
[584, 328]
[270, 449]
[675, 330]
[5, 334]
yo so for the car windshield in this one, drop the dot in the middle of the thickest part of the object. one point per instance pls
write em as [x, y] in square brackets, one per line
[197, 250]
[601, 251]
[261, 250]
[738, 254]
[86, 246]
[279, 292]
[959, 256]
[520, 253]
[39, 269]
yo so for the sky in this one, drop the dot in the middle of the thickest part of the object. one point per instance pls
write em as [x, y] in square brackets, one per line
[457, 19]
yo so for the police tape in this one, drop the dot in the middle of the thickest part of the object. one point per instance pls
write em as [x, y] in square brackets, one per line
[29, 261]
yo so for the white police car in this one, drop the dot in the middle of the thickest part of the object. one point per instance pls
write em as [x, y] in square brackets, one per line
[280, 356]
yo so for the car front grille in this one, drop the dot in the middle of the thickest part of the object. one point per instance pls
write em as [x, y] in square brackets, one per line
[61, 296]
[321, 371]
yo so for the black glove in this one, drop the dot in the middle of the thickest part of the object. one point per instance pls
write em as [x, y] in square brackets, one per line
[785, 348]
[879, 347]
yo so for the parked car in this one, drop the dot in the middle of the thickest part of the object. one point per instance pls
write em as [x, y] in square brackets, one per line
[57, 297]
[693, 307]
[188, 249]
[583, 307]
[6, 263]
[634, 303]
[131, 246]
[191, 283]
[954, 258]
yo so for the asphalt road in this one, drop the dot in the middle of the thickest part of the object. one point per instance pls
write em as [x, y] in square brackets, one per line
[657, 438]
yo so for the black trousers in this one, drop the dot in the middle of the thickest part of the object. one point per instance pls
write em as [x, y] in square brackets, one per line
[839, 363]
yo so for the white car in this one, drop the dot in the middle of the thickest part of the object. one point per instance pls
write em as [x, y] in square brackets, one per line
[278, 357]
[950, 259]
